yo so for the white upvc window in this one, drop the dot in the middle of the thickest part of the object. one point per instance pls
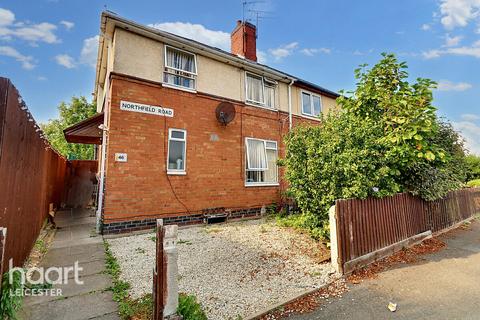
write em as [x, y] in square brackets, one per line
[180, 68]
[311, 104]
[261, 162]
[259, 90]
[177, 151]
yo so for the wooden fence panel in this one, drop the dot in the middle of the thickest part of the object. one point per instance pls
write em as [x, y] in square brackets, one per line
[365, 226]
[32, 175]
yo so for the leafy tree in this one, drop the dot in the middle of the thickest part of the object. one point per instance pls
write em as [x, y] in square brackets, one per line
[69, 114]
[403, 110]
[472, 163]
[386, 139]
[432, 180]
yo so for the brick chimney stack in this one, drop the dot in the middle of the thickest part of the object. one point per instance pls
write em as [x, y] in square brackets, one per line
[244, 40]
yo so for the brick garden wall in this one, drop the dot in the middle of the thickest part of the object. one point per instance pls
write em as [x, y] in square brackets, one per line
[140, 190]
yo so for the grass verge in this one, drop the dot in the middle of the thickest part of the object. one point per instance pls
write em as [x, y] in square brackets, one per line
[142, 308]
[128, 308]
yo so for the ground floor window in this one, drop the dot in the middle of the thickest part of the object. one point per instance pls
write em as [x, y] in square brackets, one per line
[177, 147]
[261, 162]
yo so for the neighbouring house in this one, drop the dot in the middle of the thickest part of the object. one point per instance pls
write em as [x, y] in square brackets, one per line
[186, 130]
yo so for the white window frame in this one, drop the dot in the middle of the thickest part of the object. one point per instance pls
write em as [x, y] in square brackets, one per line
[248, 158]
[260, 184]
[265, 82]
[193, 74]
[170, 138]
[311, 94]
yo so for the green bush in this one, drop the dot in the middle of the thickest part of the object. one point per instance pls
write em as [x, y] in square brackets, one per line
[189, 308]
[472, 163]
[432, 180]
[386, 139]
[340, 159]
[474, 183]
[9, 303]
[318, 230]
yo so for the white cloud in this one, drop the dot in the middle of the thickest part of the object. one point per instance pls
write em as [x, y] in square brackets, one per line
[313, 51]
[452, 41]
[196, 32]
[458, 13]
[67, 24]
[6, 17]
[66, 61]
[470, 117]
[283, 51]
[88, 55]
[42, 78]
[26, 61]
[262, 57]
[41, 32]
[471, 132]
[472, 51]
[446, 85]
[426, 27]
[432, 54]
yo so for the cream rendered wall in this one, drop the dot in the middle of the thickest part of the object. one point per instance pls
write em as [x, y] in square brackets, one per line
[219, 78]
[142, 57]
[138, 56]
[281, 102]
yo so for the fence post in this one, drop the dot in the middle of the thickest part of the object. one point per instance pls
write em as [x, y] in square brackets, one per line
[333, 239]
[158, 274]
[3, 238]
[165, 282]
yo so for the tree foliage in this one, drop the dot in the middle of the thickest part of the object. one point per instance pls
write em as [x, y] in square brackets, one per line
[76, 110]
[385, 139]
[472, 163]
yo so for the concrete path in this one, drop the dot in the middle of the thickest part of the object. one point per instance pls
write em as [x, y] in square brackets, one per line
[75, 240]
[445, 285]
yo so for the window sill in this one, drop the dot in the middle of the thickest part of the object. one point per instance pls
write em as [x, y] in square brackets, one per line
[172, 86]
[253, 104]
[177, 173]
[310, 117]
[274, 184]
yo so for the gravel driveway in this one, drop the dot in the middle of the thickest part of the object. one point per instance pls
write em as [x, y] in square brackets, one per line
[234, 269]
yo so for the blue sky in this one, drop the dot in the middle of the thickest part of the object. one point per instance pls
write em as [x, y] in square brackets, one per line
[48, 47]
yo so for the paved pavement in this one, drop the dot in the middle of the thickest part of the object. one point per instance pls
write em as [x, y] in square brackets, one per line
[445, 285]
[75, 240]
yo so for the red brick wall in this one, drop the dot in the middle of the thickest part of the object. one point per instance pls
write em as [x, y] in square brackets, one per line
[244, 40]
[139, 188]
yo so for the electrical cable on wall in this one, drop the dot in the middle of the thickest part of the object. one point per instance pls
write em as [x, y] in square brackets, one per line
[166, 168]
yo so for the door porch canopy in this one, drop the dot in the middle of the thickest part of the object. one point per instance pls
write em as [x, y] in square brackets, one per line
[86, 131]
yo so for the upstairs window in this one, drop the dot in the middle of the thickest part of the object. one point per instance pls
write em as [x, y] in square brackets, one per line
[177, 143]
[261, 162]
[180, 68]
[311, 104]
[260, 91]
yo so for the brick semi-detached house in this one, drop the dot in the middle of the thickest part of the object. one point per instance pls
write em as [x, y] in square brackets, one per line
[165, 149]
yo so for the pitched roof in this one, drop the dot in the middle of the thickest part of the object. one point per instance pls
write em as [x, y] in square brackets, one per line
[219, 52]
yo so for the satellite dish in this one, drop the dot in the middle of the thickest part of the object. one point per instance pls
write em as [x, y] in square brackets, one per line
[225, 113]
